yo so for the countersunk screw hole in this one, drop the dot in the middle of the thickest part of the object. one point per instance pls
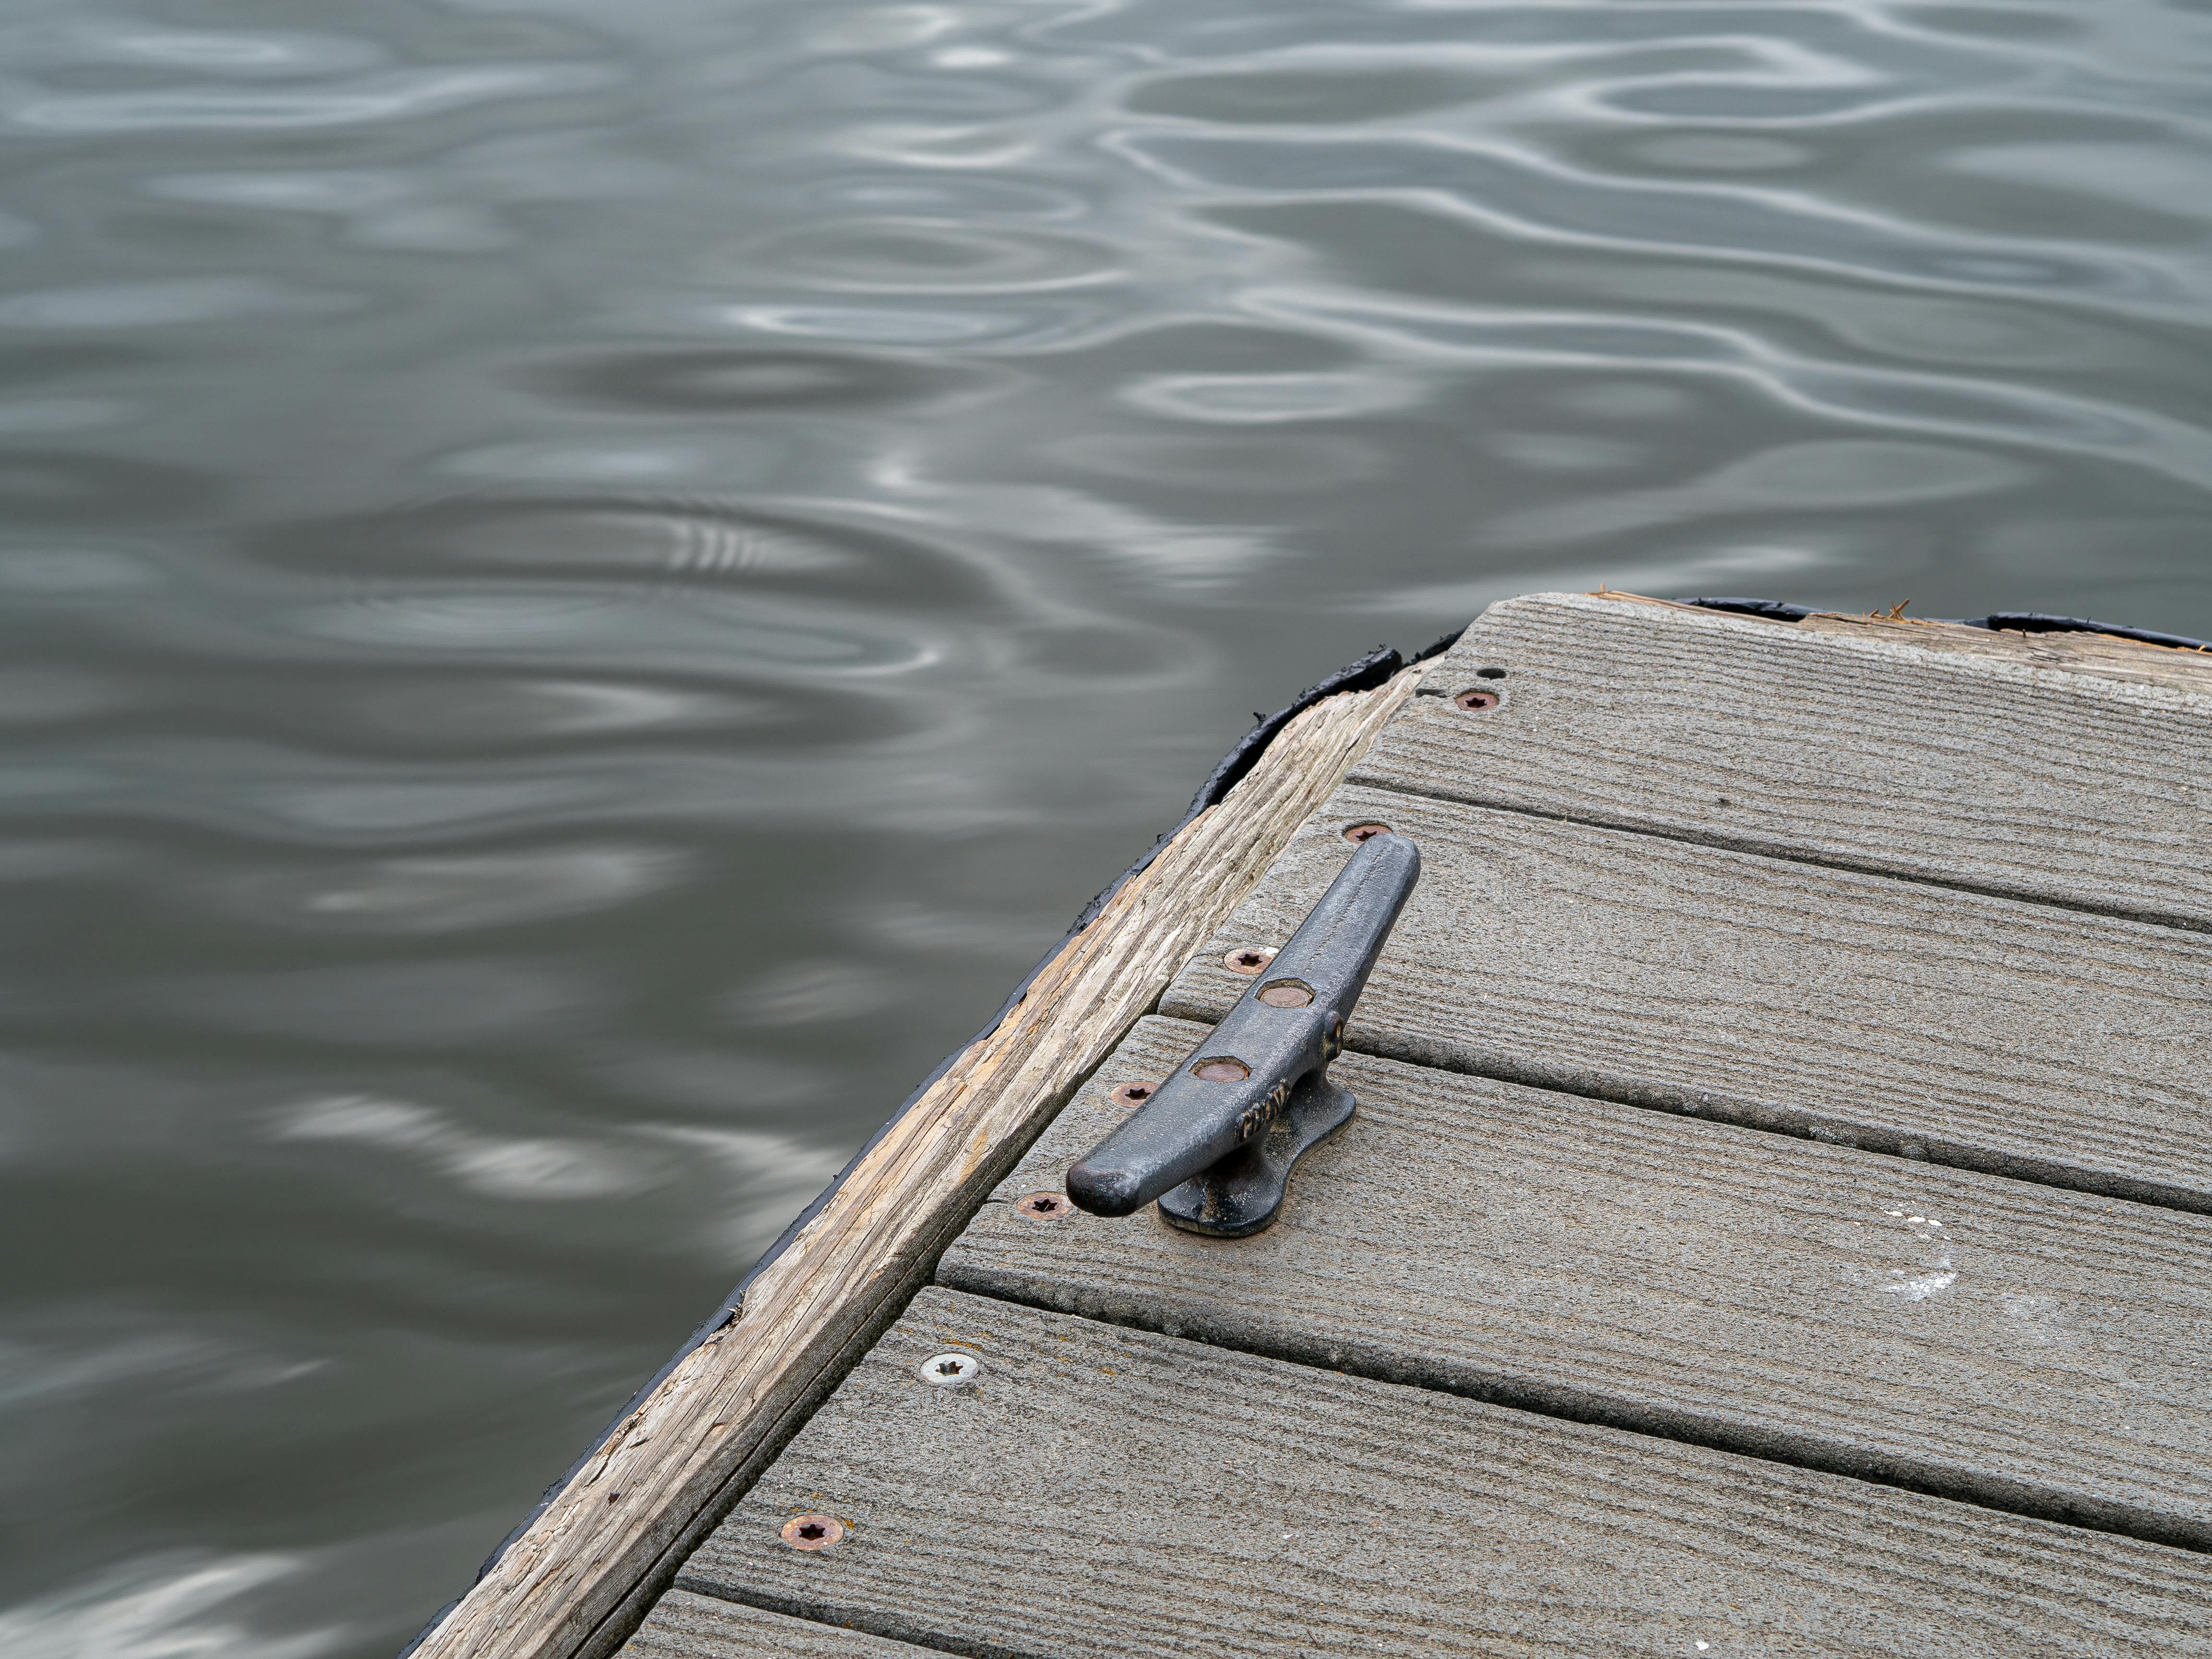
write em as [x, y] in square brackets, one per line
[1475, 701]
[1134, 1094]
[949, 1370]
[1360, 832]
[1248, 959]
[812, 1532]
[1041, 1206]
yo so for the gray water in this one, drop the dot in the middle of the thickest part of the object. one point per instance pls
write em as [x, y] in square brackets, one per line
[584, 586]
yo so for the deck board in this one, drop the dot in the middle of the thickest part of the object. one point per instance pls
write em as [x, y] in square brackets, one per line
[1990, 761]
[682, 1625]
[2034, 1349]
[1990, 1034]
[1102, 1491]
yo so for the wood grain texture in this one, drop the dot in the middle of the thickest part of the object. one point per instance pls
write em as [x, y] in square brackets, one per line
[585, 1572]
[1990, 1339]
[682, 1625]
[1101, 1490]
[2016, 1038]
[2006, 764]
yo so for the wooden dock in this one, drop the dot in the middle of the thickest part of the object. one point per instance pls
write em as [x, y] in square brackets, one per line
[1777, 1220]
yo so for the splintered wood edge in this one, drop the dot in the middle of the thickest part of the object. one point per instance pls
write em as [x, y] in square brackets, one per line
[2105, 656]
[587, 1569]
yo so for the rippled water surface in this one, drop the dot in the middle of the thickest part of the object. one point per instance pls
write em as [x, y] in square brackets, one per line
[583, 585]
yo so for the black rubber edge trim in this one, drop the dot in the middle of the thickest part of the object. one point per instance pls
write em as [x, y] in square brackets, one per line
[2013, 621]
[2035, 621]
[1363, 675]
[1774, 609]
[1442, 646]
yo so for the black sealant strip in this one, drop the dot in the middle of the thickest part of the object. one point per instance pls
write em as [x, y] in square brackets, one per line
[1772, 610]
[2012, 621]
[1363, 675]
[2035, 621]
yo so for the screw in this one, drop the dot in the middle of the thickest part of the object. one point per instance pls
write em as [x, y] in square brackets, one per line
[1359, 832]
[1286, 994]
[1134, 1094]
[1223, 1071]
[1475, 701]
[1042, 1207]
[812, 1532]
[1246, 959]
[949, 1370]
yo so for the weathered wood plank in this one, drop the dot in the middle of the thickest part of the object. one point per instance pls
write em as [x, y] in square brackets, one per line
[1990, 1339]
[684, 1626]
[1104, 1491]
[2004, 763]
[587, 1569]
[1981, 1032]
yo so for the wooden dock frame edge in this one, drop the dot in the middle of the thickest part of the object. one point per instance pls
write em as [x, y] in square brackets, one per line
[575, 1579]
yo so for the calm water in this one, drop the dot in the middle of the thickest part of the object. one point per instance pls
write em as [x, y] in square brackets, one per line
[583, 585]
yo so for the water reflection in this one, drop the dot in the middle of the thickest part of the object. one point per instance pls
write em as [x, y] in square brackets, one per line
[497, 1168]
[162, 1606]
[458, 894]
[582, 589]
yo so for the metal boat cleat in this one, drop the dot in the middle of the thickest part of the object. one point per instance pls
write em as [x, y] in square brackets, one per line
[1216, 1142]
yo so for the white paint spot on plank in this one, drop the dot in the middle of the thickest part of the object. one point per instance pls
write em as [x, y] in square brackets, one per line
[1920, 1286]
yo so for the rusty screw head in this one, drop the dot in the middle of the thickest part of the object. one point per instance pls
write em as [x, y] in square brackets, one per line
[812, 1532]
[1359, 832]
[949, 1370]
[1133, 1094]
[1043, 1206]
[1223, 1069]
[1475, 702]
[1286, 994]
[1248, 959]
